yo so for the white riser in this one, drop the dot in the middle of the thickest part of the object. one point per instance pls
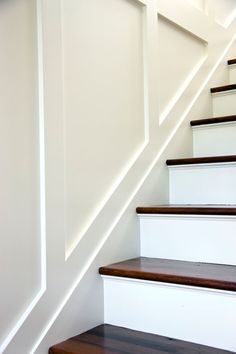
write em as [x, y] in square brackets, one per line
[224, 103]
[192, 314]
[232, 74]
[203, 184]
[190, 238]
[214, 139]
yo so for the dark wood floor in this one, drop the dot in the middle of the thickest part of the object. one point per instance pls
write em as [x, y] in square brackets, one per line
[106, 339]
[205, 275]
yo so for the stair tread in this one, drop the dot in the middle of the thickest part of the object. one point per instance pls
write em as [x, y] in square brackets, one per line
[231, 61]
[107, 339]
[206, 275]
[229, 87]
[189, 209]
[201, 160]
[213, 120]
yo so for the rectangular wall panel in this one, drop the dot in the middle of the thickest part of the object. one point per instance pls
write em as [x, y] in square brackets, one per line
[181, 54]
[19, 186]
[103, 101]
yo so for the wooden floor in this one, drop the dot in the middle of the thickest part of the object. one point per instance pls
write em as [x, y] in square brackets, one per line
[106, 339]
[214, 276]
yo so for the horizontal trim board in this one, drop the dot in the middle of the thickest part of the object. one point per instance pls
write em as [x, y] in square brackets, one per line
[201, 160]
[231, 61]
[215, 120]
[223, 88]
[189, 209]
[107, 338]
[198, 274]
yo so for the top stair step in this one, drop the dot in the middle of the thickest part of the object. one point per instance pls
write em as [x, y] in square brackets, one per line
[215, 120]
[107, 339]
[206, 275]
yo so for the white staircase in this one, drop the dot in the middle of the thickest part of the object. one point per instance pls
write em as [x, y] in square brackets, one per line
[200, 307]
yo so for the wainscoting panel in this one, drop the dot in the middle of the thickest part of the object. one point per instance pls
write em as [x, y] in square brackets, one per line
[20, 249]
[103, 94]
[181, 54]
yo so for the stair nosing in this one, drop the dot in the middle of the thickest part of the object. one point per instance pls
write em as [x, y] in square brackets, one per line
[213, 120]
[189, 210]
[201, 160]
[179, 279]
[223, 88]
[231, 61]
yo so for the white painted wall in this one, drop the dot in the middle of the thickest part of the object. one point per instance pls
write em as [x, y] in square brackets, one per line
[99, 95]
[224, 11]
[103, 103]
[200, 4]
[180, 57]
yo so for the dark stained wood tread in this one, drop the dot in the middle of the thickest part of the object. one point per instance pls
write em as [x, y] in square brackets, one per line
[223, 88]
[231, 61]
[215, 120]
[201, 160]
[190, 209]
[206, 275]
[107, 339]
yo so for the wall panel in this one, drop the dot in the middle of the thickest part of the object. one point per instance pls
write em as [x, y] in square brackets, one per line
[103, 101]
[199, 4]
[180, 55]
[224, 11]
[19, 187]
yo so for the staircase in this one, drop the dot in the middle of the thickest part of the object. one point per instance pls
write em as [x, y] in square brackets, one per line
[183, 285]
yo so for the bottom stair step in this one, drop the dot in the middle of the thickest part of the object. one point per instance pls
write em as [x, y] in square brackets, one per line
[107, 339]
[189, 301]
